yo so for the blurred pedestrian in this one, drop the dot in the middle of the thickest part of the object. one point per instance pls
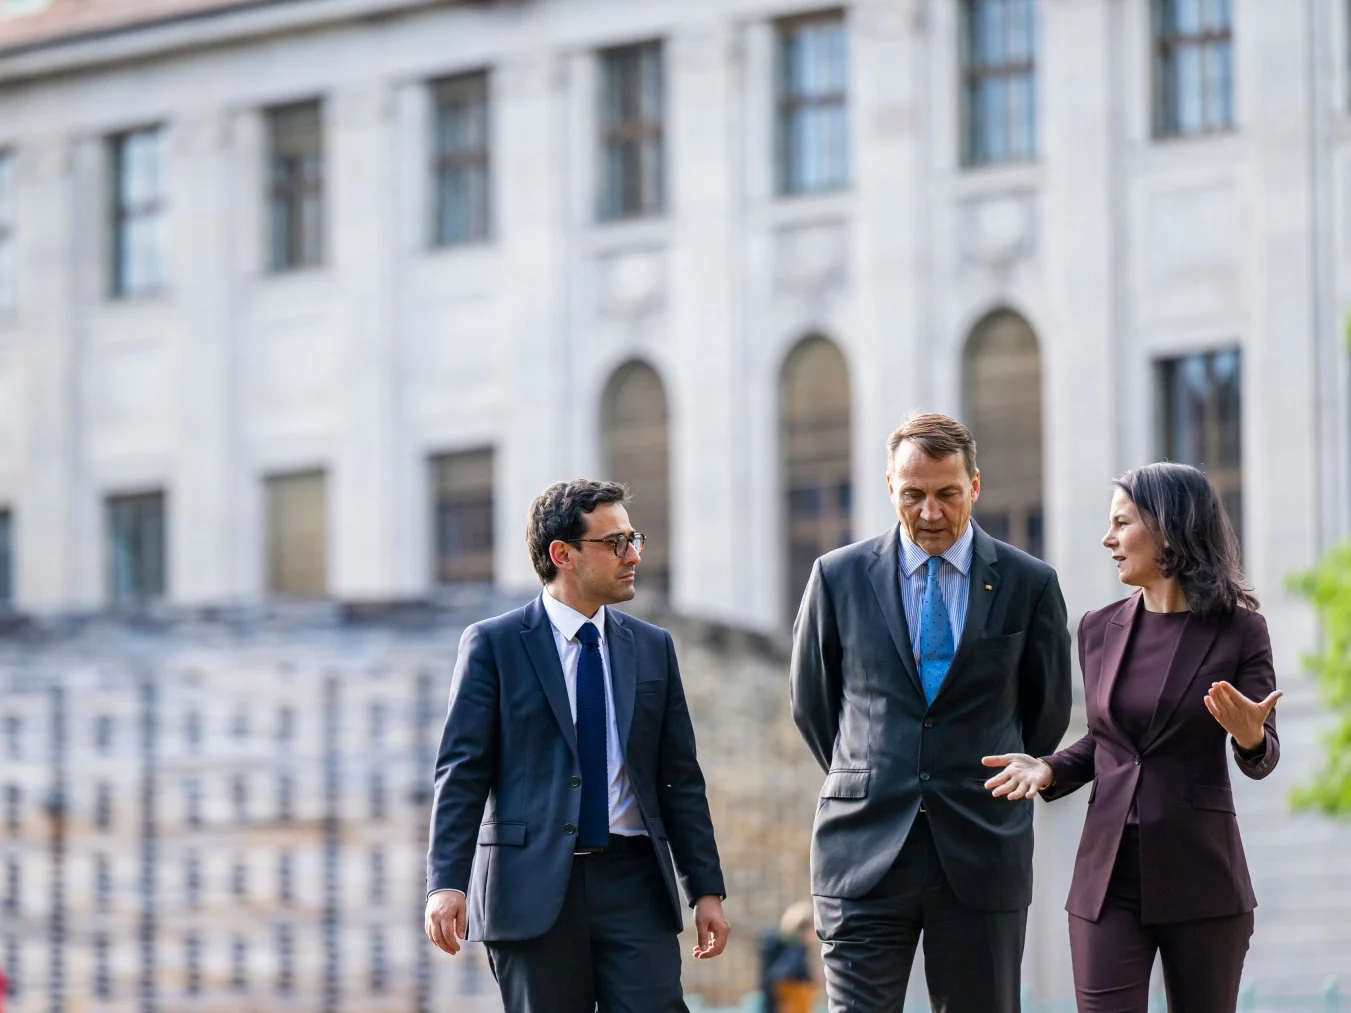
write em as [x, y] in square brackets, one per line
[1169, 673]
[789, 962]
[566, 780]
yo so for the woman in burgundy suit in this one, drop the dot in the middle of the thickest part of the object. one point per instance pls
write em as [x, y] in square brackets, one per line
[1168, 674]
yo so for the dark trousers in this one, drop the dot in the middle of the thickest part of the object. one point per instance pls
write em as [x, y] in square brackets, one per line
[972, 959]
[613, 947]
[1113, 957]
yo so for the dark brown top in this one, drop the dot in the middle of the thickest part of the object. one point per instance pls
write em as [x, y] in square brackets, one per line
[1143, 672]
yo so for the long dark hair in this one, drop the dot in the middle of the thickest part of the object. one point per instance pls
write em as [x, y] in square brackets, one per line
[1192, 533]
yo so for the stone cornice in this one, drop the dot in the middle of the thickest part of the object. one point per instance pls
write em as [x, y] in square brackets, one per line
[214, 27]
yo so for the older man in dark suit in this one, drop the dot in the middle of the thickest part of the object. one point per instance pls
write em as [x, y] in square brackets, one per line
[567, 779]
[911, 653]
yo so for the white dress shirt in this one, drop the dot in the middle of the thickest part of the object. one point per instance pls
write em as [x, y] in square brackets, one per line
[625, 818]
[954, 581]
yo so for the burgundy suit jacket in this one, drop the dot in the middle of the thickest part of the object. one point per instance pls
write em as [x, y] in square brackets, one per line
[1191, 856]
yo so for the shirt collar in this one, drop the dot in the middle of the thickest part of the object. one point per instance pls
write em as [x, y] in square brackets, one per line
[567, 620]
[958, 553]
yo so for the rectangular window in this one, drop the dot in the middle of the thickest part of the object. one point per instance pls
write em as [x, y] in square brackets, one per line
[379, 796]
[9, 250]
[192, 962]
[812, 89]
[286, 878]
[462, 506]
[103, 734]
[192, 802]
[103, 806]
[103, 983]
[286, 725]
[136, 541]
[137, 209]
[103, 883]
[999, 81]
[239, 965]
[13, 737]
[286, 797]
[286, 977]
[13, 810]
[1201, 421]
[378, 890]
[13, 882]
[379, 963]
[11, 966]
[239, 881]
[1193, 67]
[6, 556]
[192, 881]
[295, 186]
[239, 792]
[297, 534]
[462, 181]
[632, 132]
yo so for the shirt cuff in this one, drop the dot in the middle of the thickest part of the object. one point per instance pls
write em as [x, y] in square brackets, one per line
[446, 889]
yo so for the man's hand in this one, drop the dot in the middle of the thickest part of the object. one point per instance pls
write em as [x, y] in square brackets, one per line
[710, 928]
[444, 920]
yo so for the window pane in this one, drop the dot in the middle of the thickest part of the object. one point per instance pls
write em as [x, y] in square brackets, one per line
[462, 505]
[813, 131]
[297, 534]
[136, 554]
[295, 172]
[461, 159]
[136, 213]
[632, 146]
[1202, 413]
[6, 558]
[999, 81]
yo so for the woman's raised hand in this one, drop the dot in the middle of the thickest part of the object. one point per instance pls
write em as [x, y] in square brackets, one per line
[1022, 777]
[1242, 718]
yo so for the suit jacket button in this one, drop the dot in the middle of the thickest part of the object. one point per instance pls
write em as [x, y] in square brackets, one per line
[569, 828]
[928, 722]
[924, 777]
[574, 781]
[1137, 760]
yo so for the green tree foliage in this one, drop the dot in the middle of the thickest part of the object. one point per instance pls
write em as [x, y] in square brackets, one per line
[1328, 588]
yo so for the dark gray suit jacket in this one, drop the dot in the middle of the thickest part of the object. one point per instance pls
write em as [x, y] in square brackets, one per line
[507, 792]
[857, 700]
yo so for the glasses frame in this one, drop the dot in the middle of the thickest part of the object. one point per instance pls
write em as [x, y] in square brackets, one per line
[618, 543]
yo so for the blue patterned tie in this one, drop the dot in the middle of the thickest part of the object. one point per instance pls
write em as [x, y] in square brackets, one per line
[936, 645]
[593, 825]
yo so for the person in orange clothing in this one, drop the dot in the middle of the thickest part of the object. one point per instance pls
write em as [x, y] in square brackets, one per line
[790, 975]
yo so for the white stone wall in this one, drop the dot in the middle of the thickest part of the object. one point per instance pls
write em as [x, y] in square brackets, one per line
[1116, 247]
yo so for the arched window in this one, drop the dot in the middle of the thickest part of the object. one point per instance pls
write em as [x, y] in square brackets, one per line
[1002, 374]
[636, 451]
[814, 436]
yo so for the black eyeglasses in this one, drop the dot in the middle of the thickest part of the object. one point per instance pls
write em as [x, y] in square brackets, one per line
[619, 543]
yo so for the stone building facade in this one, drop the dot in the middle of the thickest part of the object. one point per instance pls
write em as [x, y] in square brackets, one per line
[307, 300]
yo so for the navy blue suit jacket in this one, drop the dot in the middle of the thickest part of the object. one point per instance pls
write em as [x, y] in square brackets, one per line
[507, 792]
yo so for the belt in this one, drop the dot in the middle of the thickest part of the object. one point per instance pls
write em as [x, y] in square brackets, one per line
[619, 844]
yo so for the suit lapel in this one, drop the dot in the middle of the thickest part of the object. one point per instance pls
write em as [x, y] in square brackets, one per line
[983, 584]
[623, 674]
[885, 575]
[1191, 650]
[1114, 641]
[538, 636]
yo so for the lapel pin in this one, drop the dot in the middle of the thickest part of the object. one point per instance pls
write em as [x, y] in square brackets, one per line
[989, 587]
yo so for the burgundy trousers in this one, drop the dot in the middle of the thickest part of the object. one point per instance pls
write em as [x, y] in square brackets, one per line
[1113, 957]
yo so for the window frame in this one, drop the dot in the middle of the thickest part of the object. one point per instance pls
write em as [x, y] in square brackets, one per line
[466, 160]
[147, 577]
[124, 214]
[788, 105]
[288, 191]
[638, 139]
[1165, 45]
[975, 152]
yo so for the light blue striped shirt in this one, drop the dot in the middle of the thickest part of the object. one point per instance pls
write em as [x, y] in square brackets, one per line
[954, 580]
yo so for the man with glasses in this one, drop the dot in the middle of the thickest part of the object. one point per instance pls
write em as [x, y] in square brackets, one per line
[566, 781]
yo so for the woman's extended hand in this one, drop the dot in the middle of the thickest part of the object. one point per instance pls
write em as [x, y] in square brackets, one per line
[1242, 718]
[1022, 777]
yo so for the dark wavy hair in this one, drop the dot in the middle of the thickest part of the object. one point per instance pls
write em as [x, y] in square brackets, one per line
[1192, 533]
[557, 515]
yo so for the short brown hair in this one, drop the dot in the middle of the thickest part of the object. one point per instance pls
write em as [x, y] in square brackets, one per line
[937, 436]
[556, 515]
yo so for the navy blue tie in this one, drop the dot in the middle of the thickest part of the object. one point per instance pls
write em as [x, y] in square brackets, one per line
[936, 643]
[593, 825]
